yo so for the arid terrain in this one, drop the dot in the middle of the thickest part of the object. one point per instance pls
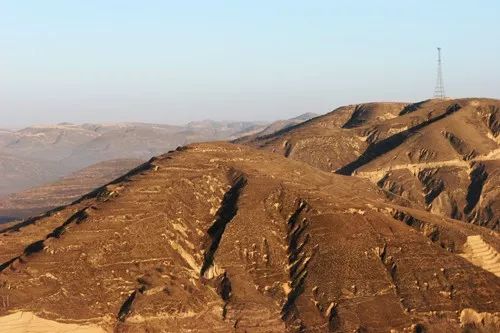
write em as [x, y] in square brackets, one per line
[379, 217]
[443, 155]
[43, 167]
[36, 155]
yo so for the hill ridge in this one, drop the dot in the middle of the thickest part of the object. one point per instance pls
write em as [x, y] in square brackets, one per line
[429, 133]
[221, 233]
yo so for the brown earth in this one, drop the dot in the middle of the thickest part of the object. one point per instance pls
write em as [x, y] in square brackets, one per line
[442, 155]
[222, 237]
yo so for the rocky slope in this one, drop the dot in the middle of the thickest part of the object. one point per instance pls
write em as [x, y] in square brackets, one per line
[221, 237]
[442, 155]
[43, 198]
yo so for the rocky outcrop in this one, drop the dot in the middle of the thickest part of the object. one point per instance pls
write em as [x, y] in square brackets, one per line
[460, 146]
[478, 177]
[479, 322]
[224, 215]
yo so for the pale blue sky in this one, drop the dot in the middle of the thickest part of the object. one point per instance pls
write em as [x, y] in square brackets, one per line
[176, 61]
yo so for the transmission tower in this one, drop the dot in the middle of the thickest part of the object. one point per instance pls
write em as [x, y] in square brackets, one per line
[439, 90]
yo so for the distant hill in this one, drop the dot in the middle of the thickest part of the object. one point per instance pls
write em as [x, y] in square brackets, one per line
[276, 126]
[40, 199]
[35, 155]
[34, 159]
[18, 173]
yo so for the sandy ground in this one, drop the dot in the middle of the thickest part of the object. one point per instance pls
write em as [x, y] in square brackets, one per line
[27, 322]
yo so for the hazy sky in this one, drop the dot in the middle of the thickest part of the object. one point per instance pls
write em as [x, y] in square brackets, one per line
[176, 61]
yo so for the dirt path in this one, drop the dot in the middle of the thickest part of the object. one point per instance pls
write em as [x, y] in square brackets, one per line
[21, 322]
[416, 167]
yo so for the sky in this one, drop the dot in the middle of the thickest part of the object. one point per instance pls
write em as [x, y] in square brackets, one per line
[178, 61]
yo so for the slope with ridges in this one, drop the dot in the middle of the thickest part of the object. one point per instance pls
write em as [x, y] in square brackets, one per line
[441, 154]
[477, 251]
[216, 237]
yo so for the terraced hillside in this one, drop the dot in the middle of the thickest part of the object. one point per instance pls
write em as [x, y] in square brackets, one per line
[442, 155]
[477, 251]
[222, 237]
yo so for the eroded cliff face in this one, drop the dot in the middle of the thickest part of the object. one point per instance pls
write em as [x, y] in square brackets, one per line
[441, 155]
[222, 237]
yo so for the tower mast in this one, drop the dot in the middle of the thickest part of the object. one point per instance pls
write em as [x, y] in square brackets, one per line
[439, 90]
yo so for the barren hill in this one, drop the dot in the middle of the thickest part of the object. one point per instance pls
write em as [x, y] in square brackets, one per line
[222, 237]
[442, 155]
[18, 173]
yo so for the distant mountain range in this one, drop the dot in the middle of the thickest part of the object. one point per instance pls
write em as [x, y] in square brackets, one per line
[37, 156]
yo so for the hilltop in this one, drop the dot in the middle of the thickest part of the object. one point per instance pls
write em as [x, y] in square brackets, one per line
[442, 155]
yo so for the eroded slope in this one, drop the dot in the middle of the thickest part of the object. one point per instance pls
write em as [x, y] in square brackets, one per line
[440, 154]
[221, 237]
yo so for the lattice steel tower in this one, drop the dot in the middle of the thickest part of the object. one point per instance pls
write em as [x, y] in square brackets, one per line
[439, 90]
